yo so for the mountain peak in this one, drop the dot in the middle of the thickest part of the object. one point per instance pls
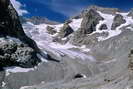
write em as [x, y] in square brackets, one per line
[103, 9]
[39, 20]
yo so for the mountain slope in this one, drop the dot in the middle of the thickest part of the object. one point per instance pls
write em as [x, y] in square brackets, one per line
[92, 51]
[39, 20]
[97, 48]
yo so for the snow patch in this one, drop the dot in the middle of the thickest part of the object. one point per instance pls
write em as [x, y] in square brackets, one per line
[108, 20]
[85, 49]
[3, 84]
[57, 27]
[75, 24]
[25, 87]
[17, 69]
[111, 33]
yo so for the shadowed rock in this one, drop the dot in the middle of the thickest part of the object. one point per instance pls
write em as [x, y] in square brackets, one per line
[88, 25]
[90, 20]
[65, 31]
[118, 20]
[103, 27]
[10, 27]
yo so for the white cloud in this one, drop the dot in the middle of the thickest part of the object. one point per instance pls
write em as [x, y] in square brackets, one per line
[18, 6]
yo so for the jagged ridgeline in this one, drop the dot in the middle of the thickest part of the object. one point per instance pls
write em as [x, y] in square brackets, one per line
[93, 50]
[16, 49]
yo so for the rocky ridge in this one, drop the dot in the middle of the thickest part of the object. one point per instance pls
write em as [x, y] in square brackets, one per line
[15, 45]
[39, 20]
[93, 56]
[97, 51]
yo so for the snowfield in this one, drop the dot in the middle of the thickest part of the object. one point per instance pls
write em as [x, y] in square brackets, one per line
[100, 67]
[44, 40]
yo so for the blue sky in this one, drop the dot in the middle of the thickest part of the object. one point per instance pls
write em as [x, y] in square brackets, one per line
[60, 10]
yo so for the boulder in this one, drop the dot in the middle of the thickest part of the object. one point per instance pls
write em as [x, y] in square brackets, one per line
[51, 30]
[103, 27]
[118, 20]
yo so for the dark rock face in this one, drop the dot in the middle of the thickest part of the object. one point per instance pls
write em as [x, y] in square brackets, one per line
[118, 20]
[4, 3]
[88, 25]
[103, 27]
[10, 52]
[65, 31]
[78, 76]
[51, 30]
[17, 54]
[22, 19]
[90, 20]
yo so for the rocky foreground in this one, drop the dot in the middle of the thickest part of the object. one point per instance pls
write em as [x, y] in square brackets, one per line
[93, 50]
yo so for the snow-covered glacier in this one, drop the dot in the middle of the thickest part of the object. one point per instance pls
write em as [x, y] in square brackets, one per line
[99, 60]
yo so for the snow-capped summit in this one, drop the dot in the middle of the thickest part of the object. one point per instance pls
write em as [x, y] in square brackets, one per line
[90, 51]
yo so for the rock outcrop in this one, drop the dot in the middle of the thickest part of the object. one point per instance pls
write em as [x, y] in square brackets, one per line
[88, 25]
[131, 13]
[103, 27]
[65, 31]
[102, 9]
[118, 20]
[98, 58]
[90, 20]
[11, 53]
[51, 30]
[15, 53]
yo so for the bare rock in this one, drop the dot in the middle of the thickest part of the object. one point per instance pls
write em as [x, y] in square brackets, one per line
[103, 27]
[65, 31]
[51, 30]
[90, 20]
[118, 20]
